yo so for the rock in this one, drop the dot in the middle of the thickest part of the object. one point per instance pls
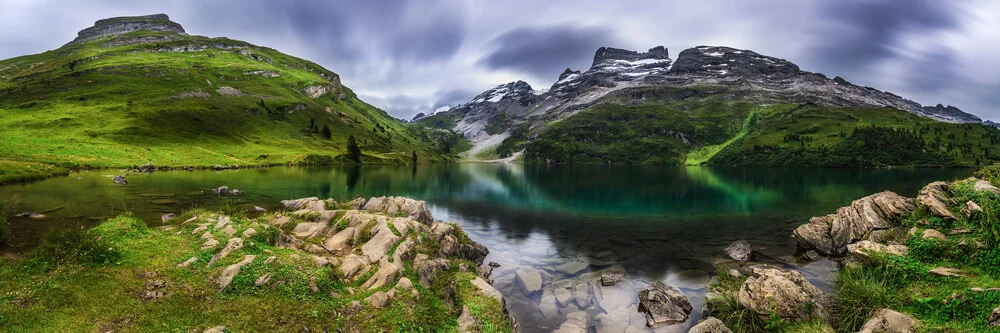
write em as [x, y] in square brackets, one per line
[320, 261]
[232, 244]
[381, 242]
[663, 304]
[398, 205]
[830, 234]
[784, 292]
[385, 275]
[357, 203]
[120, 180]
[352, 265]
[259, 209]
[571, 267]
[983, 185]
[547, 305]
[231, 271]
[148, 167]
[439, 230]
[188, 262]
[308, 230]
[576, 322]
[563, 296]
[487, 290]
[933, 196]
[225, 190]
[217, 329]
[889, 321]
[303, 203]
[710, 325]
[341, 241]
[229, 231]
[863, 248]
[946, 271]
[31, 215]
[378, 299]
[484, 271]
[473, 252]
[249, 233]
[262, 280]
[126, 24]
[734, 273]
[811, 255]
[994, 318]
[427, 268]
[167, 217]
[816, 235]
[934, 234]
[530, 280]
[404, 283]
[960, 231]
[739, 250]
[494, 264]
[970, 209]
[210, 243]
[466, 322]
[610, 279]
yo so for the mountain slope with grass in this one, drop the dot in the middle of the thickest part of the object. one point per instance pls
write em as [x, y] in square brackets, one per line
[715, 106]
[136, 90]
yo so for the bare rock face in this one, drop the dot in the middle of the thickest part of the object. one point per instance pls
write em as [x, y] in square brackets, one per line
[865, 248]
[663, 304]
[889, 321]
[784, 292]
[122, 25]
[934, 196]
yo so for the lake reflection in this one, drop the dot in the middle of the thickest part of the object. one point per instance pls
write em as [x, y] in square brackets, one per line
[565, 222]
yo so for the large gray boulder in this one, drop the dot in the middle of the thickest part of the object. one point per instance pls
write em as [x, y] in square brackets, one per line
[784, 292]
[889, 321]
[831, 234]
[935, 196]
[663, 305]
[739, 250]
[391, 206]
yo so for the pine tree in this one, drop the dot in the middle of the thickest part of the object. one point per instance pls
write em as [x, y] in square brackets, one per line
[353, 151]
[414, 157]
[326, 132]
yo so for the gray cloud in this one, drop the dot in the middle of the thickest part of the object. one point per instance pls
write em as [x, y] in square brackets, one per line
[410, 56]
[546, 51]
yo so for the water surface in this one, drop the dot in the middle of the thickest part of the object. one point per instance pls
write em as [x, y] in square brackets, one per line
[567, 222]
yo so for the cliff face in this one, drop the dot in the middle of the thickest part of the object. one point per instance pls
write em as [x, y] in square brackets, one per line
[126, 24]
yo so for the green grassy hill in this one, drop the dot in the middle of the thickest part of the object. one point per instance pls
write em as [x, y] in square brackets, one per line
[724, 130]
[177, 100]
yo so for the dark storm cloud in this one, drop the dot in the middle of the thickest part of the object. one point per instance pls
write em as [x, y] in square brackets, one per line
[858, 33]
[546, 51]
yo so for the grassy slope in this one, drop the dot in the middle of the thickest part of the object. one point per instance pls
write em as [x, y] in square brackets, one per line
[92, 280]
[120, 106]
[719, 131]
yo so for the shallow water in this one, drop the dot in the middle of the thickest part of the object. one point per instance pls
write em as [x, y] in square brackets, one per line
[566, 222]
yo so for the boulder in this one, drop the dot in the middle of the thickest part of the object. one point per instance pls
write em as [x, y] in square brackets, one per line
[216, 329]
[357, 203]
[171, 216]
[259, 209]
[710, 325]
[530, 280]
[297, 204]
[486, 289]
[262, 280]
[385, 275]
[225, 191]
[467, 322]
[398, 205]
[381, 242]
[934, 234]
[576, 322]
[404, 283]
[352, 264]
[994, 318]
[830, 234]
[739, 251]
[784, 292]
[811, 255]
[148, 167]
[663, 304]
[889, 321]
[428, 268]
[971, 208]
[946, 271]
[865, 248]
[934, 196]
[232, 244]
[378, 299]
[231, 271]
[188, 262]
[342, 240]
[249, 233]
[439, 230]
[610, 279]
[31, 215]
[308, 230]
[983, 185]
[816, 235]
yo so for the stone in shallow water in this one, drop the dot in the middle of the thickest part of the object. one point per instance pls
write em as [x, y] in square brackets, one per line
[529, 279]
[664, 304]
[563, 296]
[610, 279]
[572, 267]
[739, 250]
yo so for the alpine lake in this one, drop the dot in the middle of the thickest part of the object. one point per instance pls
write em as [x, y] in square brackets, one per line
[562, 224]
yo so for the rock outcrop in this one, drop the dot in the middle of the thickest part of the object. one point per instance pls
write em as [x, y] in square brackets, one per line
[831, 234]
[934, 196]
[122, 25]
[889, 321]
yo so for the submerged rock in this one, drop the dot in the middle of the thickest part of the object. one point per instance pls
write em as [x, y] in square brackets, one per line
[663, 304]
[610, 279]
[739, 250]
[31, 215]
[530, 280]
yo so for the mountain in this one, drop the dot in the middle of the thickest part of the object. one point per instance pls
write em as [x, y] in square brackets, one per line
[135, 90]
[644, 107]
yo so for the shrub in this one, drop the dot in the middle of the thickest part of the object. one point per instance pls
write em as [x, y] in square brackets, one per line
[75, 246]
[6, 208]
[990, 173]
[860, 292]
[989, 262]
[315, 159]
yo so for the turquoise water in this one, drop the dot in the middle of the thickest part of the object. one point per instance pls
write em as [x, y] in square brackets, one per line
[657, 223]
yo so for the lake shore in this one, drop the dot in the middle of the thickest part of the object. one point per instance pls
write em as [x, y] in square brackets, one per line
[319, 265]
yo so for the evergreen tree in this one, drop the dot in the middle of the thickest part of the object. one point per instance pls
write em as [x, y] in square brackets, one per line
[326, 132]
[353, 151]
[414, 157]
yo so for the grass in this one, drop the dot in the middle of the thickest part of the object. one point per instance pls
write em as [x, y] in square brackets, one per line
[96, 105]
[7, 204]
[701, 155]
[12, 171]
[93, 280]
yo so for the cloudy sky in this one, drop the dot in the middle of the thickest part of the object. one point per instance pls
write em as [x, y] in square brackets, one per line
[415, 56]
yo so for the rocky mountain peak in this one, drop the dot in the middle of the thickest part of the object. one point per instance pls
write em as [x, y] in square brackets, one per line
[951, 114]
[727, 61]
[567, 73]
[122, 25]
[513, 90]
[606, 54]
